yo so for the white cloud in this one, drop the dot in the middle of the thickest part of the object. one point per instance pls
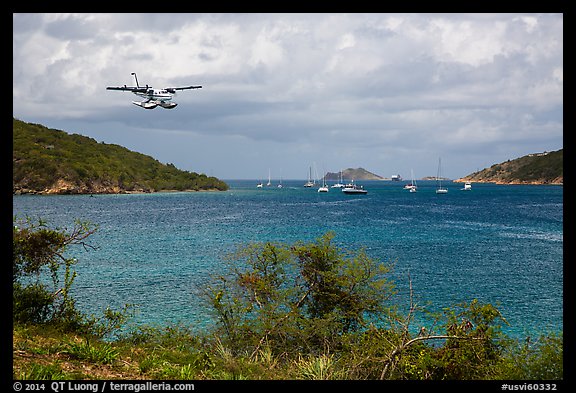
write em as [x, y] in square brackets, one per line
[265, 51]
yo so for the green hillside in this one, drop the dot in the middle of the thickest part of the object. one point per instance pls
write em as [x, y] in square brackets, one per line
[538, 168]
[54, 162]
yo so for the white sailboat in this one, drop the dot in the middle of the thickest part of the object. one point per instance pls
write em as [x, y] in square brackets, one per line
[269, 179]
[440, 189]
[340, 184]
[324, 187]
[309, 183]
[412, 186]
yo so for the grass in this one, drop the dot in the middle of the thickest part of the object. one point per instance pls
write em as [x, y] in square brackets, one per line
[159, 354]
[103, 353]
[43, 352]
[175, 353]
[322, 367]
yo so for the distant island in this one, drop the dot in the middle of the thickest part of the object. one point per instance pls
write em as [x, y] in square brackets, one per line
[536, 168]
[353, 174]
[434, 178]
[49, 161]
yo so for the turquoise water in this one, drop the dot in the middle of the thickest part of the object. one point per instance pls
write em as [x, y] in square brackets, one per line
[499, 244]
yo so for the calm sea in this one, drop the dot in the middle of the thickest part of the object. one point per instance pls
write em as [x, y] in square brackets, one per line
[498, 244]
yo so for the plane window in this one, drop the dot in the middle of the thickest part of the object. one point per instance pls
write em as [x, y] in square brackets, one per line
[150, 91]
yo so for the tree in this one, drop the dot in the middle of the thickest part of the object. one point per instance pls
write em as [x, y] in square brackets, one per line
[303, 297]
[37, 249]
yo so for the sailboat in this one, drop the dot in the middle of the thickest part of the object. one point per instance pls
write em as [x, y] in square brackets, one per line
[340, 184]
[269, 179]
[440, 189]
[309, 183]
[324, 187]
[412, 186]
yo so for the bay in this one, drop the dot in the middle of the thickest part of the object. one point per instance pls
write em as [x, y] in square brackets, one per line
[500, 244]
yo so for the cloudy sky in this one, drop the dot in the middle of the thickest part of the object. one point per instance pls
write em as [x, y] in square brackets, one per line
[386, 92]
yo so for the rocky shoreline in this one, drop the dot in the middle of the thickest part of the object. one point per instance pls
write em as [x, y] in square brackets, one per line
[62, 187]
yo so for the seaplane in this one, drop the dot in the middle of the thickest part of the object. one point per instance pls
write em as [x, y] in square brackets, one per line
[152, 97]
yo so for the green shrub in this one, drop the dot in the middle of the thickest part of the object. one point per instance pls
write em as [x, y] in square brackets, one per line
[32, 303]
[39, 251]
[541, 359]
[299, 297]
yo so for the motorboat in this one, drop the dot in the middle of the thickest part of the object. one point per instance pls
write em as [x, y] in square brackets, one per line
[354, 189]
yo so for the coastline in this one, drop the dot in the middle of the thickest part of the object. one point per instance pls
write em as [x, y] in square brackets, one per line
[511, 182]
[65, 187]
[122, 192]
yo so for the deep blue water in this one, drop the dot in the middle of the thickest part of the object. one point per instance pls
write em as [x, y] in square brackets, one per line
[498, 244]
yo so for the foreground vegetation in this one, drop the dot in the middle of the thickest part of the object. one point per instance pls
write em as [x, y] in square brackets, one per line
[299, 311]
[48, 160]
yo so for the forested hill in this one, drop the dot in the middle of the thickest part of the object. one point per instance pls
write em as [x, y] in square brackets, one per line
[49, 161]
[537, 168]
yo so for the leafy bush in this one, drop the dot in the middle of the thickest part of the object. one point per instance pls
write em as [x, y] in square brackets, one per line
[297, 298]
[541, 359]
[39, 259]
[37, 249]
[32, 303]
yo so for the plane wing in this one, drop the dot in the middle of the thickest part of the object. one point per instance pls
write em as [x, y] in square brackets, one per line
[173, 89]
[133, 89]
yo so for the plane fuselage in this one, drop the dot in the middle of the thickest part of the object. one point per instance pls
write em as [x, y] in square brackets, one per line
[155, 94]
[155, 97]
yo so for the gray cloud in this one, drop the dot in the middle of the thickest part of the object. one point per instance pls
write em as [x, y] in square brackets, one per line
[71, 28]
[354, 89]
